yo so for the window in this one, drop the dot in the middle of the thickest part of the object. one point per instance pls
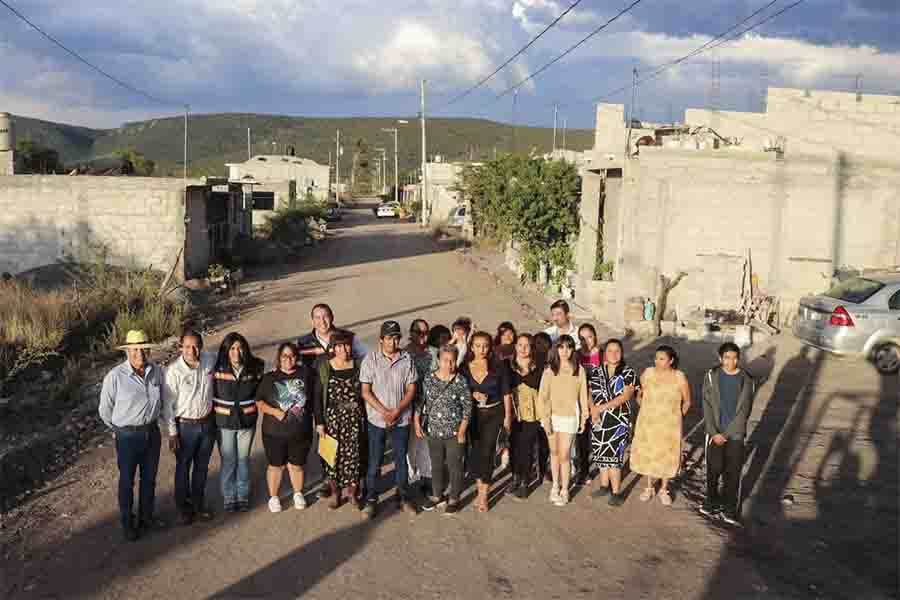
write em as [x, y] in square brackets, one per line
[263, 200]
[894, 302]
[855, 290]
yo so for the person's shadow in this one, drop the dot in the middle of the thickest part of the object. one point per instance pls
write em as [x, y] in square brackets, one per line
[791, 380]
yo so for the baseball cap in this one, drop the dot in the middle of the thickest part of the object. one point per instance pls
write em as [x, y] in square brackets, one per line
[391, 328]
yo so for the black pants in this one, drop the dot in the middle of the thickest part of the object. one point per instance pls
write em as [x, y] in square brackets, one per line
[137, 450]
[583, 452]
[446, 459]
[488, 422]
[524, 439]
[192, 463]
[724, 462]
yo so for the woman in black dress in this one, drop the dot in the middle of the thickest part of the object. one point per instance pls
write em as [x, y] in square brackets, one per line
[340, 414]
[489, 382]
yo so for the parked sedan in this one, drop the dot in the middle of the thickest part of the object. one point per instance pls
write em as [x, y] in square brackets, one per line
[388, 209]
[859, 316]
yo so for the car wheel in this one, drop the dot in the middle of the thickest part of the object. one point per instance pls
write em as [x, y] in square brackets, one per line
[886, 359]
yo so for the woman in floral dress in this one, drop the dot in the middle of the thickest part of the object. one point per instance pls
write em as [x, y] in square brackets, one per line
[340, 414]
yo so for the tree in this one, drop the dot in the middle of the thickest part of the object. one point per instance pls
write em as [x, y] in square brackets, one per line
[530, 201]
[37, 158]
[142, 166]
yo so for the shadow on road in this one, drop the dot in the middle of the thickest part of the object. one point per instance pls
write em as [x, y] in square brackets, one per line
[805, 449]
[295, 574]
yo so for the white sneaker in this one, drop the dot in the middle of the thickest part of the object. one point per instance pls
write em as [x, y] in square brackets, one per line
[300, 501]
[275, 504]
[561, 499]
[554, 494]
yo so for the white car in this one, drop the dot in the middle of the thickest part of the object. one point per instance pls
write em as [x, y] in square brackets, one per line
[388, 209]
[457, 217]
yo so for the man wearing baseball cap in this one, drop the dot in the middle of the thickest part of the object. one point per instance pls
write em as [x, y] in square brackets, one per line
[130, 401]
[388, 379]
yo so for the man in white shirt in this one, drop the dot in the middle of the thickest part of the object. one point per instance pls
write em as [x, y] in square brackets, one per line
[187, 415]
[559, 314]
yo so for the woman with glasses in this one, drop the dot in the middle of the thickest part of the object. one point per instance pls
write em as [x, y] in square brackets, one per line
[285, 400]
[442, 421]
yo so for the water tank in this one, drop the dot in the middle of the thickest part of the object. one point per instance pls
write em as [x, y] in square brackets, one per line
[7, 138]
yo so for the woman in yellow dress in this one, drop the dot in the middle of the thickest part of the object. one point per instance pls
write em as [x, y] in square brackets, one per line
[665, 399]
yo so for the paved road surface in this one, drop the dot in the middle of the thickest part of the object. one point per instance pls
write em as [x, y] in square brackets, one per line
[370, 272]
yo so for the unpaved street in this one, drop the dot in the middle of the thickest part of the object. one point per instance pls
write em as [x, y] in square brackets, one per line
[826, 436]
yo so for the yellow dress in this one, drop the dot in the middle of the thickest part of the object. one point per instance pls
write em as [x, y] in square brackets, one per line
[656, 450]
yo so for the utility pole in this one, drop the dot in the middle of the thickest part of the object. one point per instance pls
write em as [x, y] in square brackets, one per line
[514, 119]
[337, 167]
[565, 127]
[396, 163]
[426, 208]
[248, 144]
[631, 112]
[187, 109]
[555, 114]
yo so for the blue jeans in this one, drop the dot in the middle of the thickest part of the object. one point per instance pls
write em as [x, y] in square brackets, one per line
[400, 445]
[137, 449]
[234, 448]
[192, 463]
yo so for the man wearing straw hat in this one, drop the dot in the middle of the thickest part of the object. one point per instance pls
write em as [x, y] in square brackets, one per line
[129, 405]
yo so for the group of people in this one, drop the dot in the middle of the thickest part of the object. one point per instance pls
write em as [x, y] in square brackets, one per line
[452, 401]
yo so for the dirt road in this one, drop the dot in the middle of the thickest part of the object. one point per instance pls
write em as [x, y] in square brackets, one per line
[825, 435]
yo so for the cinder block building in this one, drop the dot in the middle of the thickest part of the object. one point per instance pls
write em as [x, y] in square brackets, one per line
[809, 188]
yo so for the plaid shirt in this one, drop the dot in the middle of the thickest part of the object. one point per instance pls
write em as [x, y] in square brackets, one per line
[388, 379]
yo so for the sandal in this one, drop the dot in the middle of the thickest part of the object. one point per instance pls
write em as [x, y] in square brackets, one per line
[647, 494]
[665, 498]
[483, 504]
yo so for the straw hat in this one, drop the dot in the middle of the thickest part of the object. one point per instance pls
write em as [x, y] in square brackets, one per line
[136, 338]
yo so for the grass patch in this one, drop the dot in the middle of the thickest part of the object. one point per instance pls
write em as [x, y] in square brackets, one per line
[91, 316]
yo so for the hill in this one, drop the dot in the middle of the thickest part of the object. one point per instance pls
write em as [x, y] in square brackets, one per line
[215, 139]
[72, 142]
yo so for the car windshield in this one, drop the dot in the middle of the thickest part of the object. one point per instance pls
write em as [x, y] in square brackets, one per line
[856, 290]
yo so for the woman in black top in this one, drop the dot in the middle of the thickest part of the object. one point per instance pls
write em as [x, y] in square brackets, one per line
[285, 400]
[489, 382]
[235, 381]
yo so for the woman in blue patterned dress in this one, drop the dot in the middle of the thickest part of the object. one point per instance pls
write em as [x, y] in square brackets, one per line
[612, 386]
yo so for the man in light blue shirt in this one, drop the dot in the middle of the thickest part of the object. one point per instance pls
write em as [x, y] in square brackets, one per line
[130, 403]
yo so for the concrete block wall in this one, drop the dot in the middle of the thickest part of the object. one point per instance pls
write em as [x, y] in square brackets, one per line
[701, 211]
[7, 163]
[815, 124]
[44, 219]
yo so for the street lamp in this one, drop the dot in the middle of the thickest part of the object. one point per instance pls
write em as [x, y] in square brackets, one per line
[396, 159]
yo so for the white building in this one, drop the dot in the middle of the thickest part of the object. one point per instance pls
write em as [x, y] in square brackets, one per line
[308, 176]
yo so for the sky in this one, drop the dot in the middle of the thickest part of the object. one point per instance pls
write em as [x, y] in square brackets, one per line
[360, 58]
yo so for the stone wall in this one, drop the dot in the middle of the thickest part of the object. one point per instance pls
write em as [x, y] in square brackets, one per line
[139, 220]
[702, 211]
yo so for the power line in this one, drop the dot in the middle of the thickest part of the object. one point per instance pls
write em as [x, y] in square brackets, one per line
[112, 78]
[709, 45]
[511, 58]
[570, 49]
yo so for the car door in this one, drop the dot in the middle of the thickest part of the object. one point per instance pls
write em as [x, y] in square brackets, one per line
[881, 317]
